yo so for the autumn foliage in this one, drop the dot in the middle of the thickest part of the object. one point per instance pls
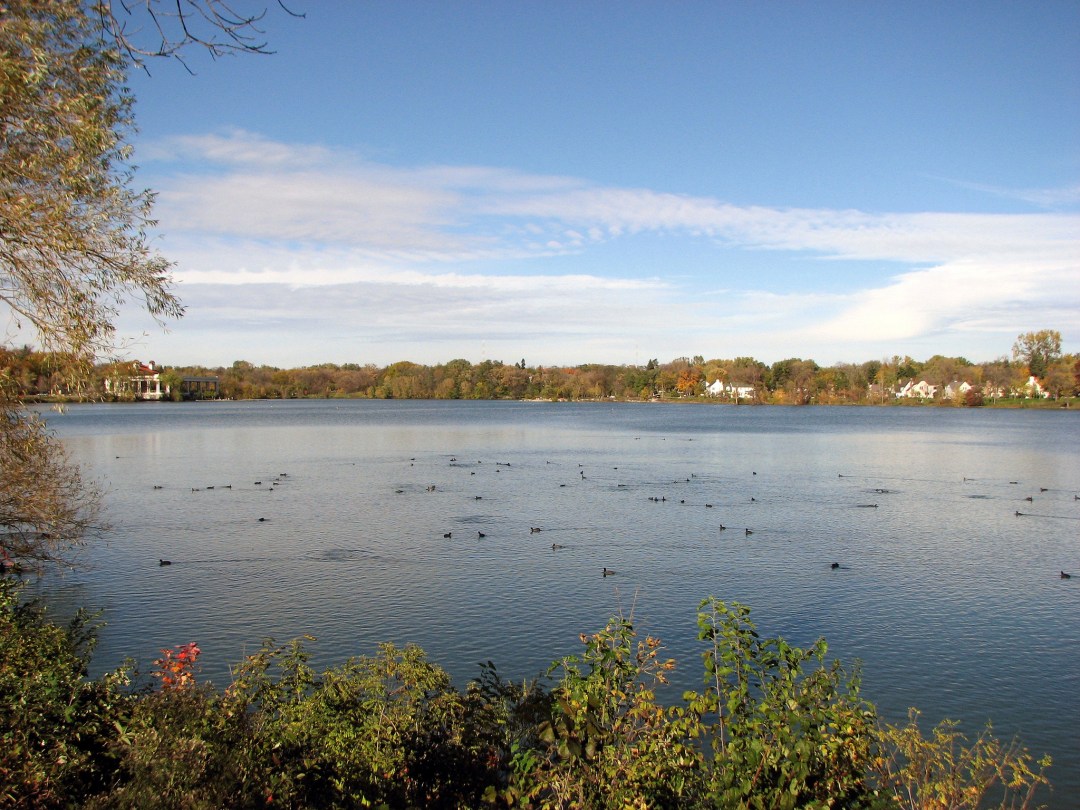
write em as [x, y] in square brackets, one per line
[774, 726]
[176, 667]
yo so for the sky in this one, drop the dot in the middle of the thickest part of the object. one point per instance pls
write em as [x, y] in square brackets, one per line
[612, 182]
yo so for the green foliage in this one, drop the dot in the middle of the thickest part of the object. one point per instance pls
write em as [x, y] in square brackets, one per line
[73, 233]
[387, 730]
[1038, 350]
[775, 727]
[787, 729]
[55, 726]
[607, 742]
[941, 773]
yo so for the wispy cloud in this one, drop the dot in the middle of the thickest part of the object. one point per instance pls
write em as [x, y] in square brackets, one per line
[1053, 198]
[437, 254]
[454, 213]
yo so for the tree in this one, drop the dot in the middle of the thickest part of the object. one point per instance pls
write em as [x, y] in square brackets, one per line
[689, 381]
[74, 244]
[1038, 350]
[1058, 379]
[941, 371]
[46, 507]
[215, 26]
[998, 378]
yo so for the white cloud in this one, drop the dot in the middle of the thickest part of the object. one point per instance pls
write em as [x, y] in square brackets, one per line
[426, 256]
[311, 194]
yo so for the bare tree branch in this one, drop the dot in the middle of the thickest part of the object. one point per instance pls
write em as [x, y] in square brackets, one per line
[215, 26]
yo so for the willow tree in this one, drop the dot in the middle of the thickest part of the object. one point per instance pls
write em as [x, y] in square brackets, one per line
[74, 243]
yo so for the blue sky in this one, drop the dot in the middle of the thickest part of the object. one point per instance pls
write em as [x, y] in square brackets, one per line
[612, 182]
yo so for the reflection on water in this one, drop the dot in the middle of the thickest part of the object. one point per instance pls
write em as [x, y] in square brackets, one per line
[361, 522]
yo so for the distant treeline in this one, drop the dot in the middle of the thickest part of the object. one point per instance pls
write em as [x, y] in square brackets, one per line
[790, 381]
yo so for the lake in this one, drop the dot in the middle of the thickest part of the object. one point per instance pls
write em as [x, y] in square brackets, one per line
[359, 522]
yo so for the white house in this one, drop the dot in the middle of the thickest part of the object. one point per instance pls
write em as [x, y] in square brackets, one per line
[956, 389]
[719, 388]
[144, 383]
[1032, 388]
[921, 389]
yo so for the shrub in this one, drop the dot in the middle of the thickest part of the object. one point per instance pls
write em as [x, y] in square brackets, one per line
[941, 773]
[56, 728]
[776, 726]
[786, 729]
[606, 742]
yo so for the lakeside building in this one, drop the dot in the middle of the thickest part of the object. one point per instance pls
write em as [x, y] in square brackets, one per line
[728, 391]
[921, 389]
[145, 382]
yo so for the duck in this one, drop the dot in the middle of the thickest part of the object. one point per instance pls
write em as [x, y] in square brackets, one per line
[480, 534]
[164, 562]
[1066, 576]
[834, 566]
[448, 535]
[534, 529]
[556, 546]
[608, 572]
[749, 532]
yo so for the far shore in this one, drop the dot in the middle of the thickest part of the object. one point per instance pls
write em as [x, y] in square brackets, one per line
[1013, 403]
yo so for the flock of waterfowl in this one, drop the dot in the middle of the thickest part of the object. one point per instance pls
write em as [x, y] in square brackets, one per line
[605, 571]
[746, 531]
[277, 481]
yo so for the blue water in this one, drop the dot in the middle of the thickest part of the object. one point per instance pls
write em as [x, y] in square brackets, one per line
[951, 601]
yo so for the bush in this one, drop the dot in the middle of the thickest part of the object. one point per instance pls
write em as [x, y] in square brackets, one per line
[775, 727]
[787, 730]
[921, 773]
[56, 727]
